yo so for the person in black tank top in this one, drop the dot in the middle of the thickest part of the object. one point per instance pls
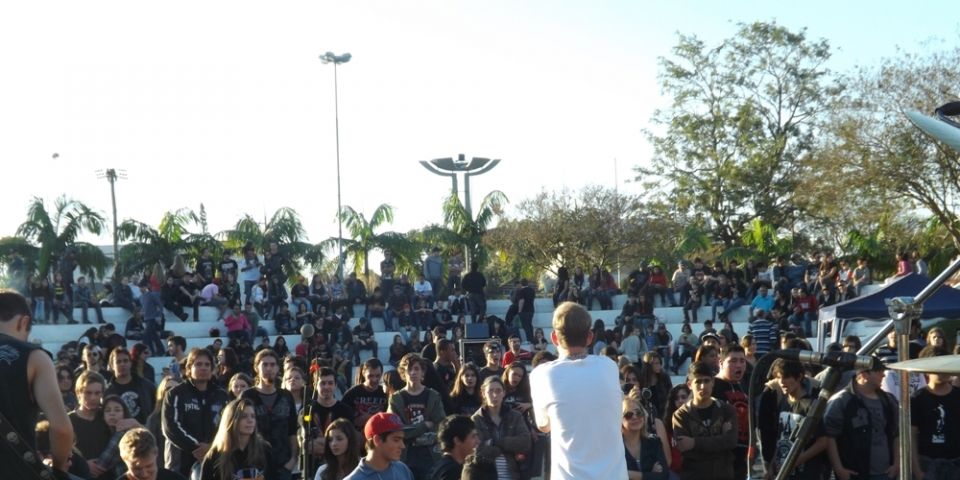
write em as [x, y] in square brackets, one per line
[28, 385]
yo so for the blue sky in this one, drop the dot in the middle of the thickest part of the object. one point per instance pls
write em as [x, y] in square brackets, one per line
[226, 103]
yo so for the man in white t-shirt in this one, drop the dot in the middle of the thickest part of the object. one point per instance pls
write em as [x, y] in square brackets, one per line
[585, 439]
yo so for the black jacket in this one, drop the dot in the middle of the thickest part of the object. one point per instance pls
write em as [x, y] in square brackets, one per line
[190, 417]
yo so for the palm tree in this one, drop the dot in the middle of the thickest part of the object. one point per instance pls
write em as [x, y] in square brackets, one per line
[364, 239]
[285, 228]
[151, 245]
[462, 229]
[54, 232]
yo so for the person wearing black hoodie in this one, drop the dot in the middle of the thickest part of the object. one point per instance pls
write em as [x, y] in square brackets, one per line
[190, 413]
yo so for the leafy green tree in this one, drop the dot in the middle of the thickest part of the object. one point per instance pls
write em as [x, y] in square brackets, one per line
[742, 119]
[460, 228]
[885, 152]
[364, 239]
[146, 245]
[595, 225]
[52, 232]
[283, 227]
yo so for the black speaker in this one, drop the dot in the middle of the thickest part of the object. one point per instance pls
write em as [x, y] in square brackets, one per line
[472, 351]
[477, 330]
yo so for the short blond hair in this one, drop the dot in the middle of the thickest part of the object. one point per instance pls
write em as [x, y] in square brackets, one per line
[137, 443]
[571, 323]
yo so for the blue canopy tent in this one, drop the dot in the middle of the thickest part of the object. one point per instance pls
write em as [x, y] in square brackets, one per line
[945, 303]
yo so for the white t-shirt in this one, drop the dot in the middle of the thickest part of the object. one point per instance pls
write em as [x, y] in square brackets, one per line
[581, 402]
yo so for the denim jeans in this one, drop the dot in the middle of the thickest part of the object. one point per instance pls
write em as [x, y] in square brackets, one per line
[152, 337]
[806, 318]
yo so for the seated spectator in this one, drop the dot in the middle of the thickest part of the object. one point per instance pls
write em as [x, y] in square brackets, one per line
[762, 301]
[210, 295]
[397, 350]
[84, 298]
[376, 305]
[363, 339]
[658, 285]
[338, 294]
[284, 322]
[422, 290]
[123, 295]
[805, 311]
[258, 297]
[134, 327]
[695, 296]
[299, 294]
[457, 303]
[238, 327]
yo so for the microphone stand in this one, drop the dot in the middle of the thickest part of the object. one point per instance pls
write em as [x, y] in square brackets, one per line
[309, 398]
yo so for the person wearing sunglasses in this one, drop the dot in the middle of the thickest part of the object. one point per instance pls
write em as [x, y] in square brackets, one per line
[643, 453]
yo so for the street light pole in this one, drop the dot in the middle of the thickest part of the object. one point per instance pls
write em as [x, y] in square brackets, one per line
[112, 175]
[329, 57]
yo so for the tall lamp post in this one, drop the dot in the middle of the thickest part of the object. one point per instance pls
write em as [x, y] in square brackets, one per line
[329, 57]
[112, 175]
[448, 167]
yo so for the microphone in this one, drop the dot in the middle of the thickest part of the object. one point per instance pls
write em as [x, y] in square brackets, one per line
[306, 331]
[842, 360]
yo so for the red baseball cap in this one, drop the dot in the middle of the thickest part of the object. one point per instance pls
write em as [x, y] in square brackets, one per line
[381, 423]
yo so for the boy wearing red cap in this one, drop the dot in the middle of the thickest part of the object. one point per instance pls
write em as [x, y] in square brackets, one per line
[384, 436]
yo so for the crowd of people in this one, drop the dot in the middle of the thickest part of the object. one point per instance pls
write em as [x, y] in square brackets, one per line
[249, 409]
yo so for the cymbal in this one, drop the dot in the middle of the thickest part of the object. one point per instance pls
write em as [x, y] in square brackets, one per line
[941, 364]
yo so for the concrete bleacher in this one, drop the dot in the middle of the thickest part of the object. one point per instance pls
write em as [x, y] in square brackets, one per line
[197, 334]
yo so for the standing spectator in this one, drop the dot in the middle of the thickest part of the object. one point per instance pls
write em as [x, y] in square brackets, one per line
[137, 393]
[67, 266]
[643, 452]
[249, 271]
[681, 281]
[455, 266]
[259, 299]
[92, 433]
[384, 434]
[934, 427]
[493, 353]
[238, 451]
[28, 382]
[764, 333]
[583, 446]
[421, 409]
[338, 294]
[356, 293]
[190, 412]
[465, 394]
[366, 398]
[920, 264]
[783, 404]
[152, 316]
[525, 308]
[727, 387]
[176, 348]
[861, 275]
[562, 289]
[276, 414]
[139, 451]
[705, 429]
[205, 266]
[62, 299]
[433, 271]
[228, 266]
[474, 283]
[326, 409]
[502, 432]
[458, 439]
[861, 425]
[514, 352]
[342, 452]
[387, 269]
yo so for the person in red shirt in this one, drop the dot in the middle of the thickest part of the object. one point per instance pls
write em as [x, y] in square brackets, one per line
[658, 284]
[804, 311]
[515, 352]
